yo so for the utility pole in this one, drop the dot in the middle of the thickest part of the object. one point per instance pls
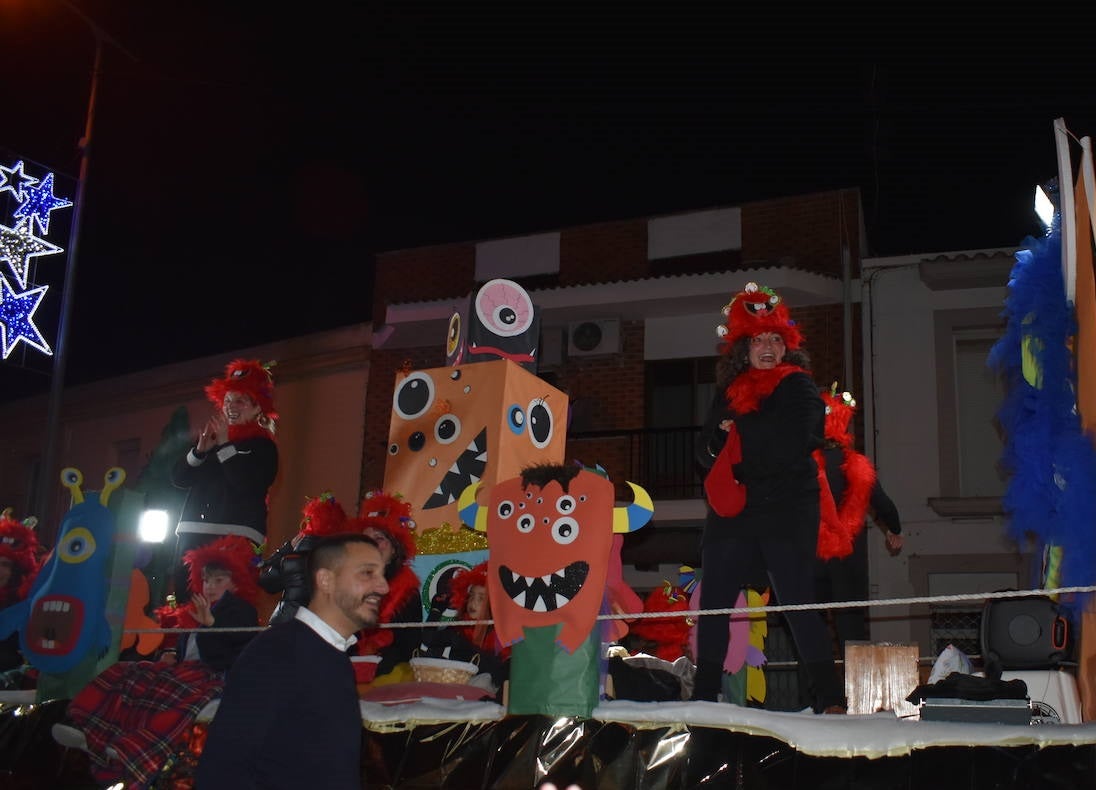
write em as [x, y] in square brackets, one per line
[47, 477]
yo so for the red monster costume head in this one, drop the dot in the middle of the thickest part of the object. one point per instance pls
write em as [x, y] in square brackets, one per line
[236, 554]
[840, 408]
[19, 545]
[392, 516]
[757, 309]
[251, 378]
[463, 581]
[322, 515]
[670, 634]
[551, 533]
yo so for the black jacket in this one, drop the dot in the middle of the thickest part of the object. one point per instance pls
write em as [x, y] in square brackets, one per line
[883, 510]
[228, 488]
[219, 649]
[780, 475]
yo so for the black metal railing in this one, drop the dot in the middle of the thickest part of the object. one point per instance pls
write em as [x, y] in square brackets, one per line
[660, 459]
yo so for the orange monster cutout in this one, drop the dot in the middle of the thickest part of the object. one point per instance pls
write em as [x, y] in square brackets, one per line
[550, 543]
[454, 426]
[136, 619]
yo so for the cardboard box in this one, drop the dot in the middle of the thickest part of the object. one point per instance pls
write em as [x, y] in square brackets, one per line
[879, 676]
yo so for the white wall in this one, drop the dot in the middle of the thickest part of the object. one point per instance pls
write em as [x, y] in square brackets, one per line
[901, 419]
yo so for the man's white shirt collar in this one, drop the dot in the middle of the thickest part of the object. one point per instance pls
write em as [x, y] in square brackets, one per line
[326, 632]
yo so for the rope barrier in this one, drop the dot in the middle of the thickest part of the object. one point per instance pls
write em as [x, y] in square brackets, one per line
[925, 599]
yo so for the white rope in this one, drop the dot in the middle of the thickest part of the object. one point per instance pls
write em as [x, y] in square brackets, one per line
[703, 612]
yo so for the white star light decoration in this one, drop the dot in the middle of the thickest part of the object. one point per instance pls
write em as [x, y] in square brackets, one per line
[13, 179]
[18, 244]
[17, 318]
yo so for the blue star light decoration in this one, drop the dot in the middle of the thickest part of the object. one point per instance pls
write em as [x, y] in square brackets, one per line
[18, 245]
[17, 318]
[13, 179]
[38, 202]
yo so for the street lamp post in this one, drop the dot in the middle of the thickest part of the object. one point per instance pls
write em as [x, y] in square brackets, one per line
[47, 473]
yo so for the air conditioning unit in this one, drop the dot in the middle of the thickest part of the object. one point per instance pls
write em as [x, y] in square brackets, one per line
[593, 338]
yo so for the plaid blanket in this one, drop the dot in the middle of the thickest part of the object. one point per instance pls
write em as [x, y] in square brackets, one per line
[142, 710]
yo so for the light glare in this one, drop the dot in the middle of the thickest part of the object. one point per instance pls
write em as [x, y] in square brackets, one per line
[152, 528]
[1044, 207]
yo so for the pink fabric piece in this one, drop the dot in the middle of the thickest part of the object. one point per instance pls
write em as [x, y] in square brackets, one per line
[739, 644]
[414, 691]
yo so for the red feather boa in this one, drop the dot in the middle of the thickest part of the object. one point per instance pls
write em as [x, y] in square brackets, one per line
[841, 524]
[753, 385]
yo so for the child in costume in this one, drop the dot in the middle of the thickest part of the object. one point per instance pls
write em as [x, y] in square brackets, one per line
[136, 714]
[476, 643]
[19, 564]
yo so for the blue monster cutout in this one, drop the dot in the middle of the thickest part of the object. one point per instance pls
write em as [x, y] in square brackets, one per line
[64, 615]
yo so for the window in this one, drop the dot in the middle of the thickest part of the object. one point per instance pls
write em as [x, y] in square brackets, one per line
[969, 393]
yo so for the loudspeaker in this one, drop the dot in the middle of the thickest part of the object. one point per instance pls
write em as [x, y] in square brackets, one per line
[1024, 633]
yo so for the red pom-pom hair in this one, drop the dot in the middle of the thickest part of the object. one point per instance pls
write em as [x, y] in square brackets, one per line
[463, 582]
[840, 408]
[392, 515]
[670, 634]
[753, 310]
[322, 515]
[234, 552]
[19, 543]
[250, 377]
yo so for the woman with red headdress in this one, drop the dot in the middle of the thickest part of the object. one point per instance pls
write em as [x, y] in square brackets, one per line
[229, 470]
[766, 401]
[387, 520]
[19, 565]
[136, 715]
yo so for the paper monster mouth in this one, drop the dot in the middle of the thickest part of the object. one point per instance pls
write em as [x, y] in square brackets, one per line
[467, 469]
[55, 624]
[544, 593]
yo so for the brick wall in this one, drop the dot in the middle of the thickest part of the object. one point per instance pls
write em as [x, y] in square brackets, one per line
[805, 232]
[603, 253]
[423, 274]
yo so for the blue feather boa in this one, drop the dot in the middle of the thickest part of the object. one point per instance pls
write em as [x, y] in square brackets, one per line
[1051, 495]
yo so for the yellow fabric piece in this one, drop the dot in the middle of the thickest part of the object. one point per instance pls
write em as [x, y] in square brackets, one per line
[756, 688]
[401, 673]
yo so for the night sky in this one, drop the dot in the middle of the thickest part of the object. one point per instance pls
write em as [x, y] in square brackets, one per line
[247, 161]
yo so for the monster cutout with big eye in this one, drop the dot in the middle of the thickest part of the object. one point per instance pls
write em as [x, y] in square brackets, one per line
[503, 324]
[550, 548]
[63, 617]
[457, 425]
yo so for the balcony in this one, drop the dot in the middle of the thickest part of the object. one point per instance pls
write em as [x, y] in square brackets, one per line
[659, 459]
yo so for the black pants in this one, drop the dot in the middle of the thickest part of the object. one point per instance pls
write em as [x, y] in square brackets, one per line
[727, 566]
[846, 579]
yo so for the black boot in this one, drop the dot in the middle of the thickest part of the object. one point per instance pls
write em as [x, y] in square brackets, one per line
[826, 689]
[708, 682]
